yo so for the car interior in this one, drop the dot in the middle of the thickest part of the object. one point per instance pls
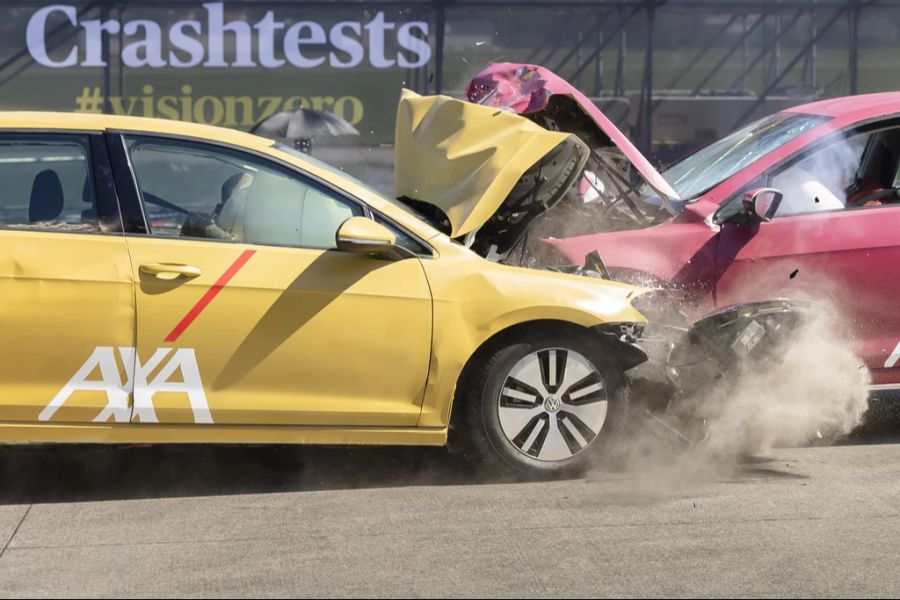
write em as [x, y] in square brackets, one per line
[877, 182]
[46, 186]
[252, 203]
[860, 171]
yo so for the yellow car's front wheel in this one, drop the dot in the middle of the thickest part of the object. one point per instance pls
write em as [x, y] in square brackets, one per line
[546, 403]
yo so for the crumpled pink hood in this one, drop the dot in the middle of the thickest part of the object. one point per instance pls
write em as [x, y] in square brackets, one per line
[527, 88]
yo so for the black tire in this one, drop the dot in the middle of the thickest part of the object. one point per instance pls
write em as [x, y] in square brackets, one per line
[483, 427]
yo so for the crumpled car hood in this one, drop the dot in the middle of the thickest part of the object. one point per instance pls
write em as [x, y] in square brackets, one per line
[526, 89]
[468, 160]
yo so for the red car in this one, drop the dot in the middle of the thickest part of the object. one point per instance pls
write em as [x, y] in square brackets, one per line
[801, 203]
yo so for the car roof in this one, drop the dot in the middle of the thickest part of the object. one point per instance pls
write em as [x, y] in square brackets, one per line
[82, 122]
[854, 108]
[101, 122]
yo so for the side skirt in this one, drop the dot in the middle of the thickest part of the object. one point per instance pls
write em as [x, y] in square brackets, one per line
[102, 433]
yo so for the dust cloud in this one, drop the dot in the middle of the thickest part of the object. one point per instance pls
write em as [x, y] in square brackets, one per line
[814, 388]
[811, 389]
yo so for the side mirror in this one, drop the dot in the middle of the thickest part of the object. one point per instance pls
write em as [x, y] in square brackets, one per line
[364, 236]
[761, 204]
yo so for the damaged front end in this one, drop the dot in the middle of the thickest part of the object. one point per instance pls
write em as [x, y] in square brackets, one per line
[478, 174]
[525, 159]
[685, 363]
[618, 190]
[529, 158]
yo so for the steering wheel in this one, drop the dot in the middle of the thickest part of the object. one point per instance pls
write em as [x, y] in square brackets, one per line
[882, 196]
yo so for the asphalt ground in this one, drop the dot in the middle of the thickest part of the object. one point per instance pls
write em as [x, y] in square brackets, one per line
[276, 521]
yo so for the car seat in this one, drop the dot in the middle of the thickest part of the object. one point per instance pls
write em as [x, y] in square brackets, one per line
[89, 214]
[228, 215]
[47, 200]
[876, 184]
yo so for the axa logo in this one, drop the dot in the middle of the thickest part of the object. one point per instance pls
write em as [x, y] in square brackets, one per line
[165, 362]
[139, 376]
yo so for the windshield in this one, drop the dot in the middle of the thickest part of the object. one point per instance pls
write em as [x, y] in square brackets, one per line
[720, 160]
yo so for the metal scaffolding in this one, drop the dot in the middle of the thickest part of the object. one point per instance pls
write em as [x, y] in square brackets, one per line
[772, 20]
[579, 48]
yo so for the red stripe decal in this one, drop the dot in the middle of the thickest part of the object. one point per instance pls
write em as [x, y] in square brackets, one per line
[204, 301]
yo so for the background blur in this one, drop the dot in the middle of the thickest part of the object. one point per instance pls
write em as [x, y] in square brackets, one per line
[673, 74]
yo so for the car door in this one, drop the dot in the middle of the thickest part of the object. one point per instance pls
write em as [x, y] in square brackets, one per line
[846, 256]
[65, 279]
[245, 312]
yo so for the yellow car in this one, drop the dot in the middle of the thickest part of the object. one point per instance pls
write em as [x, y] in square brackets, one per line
[165, 282]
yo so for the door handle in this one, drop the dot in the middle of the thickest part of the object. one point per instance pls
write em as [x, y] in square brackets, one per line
[170, 270]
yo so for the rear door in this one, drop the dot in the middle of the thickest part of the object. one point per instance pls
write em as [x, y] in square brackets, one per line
[65, 280]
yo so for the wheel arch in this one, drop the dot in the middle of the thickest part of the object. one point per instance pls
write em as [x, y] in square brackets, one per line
[623, 353]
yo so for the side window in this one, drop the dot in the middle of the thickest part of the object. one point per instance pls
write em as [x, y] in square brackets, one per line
[824, 180]
[45, 183]
[201, 191]
[859, 170]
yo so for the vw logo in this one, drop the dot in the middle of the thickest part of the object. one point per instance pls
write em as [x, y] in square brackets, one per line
[552, 404]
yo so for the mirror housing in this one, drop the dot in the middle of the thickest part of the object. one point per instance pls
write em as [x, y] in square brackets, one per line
[761, 204]
[361, 235]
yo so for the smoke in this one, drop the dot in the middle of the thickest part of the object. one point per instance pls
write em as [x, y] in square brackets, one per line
[811, 389]
[814, 389]
[820, 182]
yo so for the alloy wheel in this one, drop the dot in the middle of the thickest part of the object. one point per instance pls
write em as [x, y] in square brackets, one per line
[552, 404]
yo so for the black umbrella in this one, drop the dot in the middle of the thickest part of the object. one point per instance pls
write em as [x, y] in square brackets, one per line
[300, 125]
